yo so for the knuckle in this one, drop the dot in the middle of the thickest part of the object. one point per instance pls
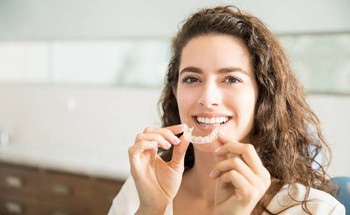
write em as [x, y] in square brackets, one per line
[158, 138]
[168, 133]
[232, 174]
[247, 193]
[147, 130]
[138, 137]
[229, 145]
[268, 179]
[236, 160]
[131, 150]
[226, 177]
[220, 167]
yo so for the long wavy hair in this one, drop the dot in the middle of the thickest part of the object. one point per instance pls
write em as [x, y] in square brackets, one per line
[286, 132]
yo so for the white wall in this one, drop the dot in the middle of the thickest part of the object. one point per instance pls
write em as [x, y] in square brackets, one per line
[66, 19]
[333, 112]
[111, 117]
[66, 115]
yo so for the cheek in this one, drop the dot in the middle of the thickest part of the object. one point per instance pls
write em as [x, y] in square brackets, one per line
[247, 101]
[244, 106]
[184, 101]
[248, 109]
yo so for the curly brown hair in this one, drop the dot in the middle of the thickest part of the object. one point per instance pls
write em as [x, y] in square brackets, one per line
[283, 120]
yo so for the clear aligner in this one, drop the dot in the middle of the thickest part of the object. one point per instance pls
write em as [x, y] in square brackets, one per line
[199, 140]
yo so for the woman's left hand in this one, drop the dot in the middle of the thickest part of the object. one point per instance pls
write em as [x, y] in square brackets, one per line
[242, 179]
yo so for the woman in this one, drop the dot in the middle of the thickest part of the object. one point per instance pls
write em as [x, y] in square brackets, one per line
[229, 80]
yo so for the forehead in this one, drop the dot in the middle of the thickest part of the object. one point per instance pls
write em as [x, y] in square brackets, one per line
[213, 52]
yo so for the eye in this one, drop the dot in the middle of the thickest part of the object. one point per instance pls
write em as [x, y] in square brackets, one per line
[190, 80]
[232, 80]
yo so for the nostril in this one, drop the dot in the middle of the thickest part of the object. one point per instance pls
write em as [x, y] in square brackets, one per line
[209, 104]
[211, 96]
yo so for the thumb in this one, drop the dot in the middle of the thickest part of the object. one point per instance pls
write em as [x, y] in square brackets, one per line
[179, 152]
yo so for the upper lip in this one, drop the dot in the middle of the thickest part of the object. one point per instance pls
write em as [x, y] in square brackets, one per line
[210, 115]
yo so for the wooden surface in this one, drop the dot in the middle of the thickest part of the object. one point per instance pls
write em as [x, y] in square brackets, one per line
[33, 191]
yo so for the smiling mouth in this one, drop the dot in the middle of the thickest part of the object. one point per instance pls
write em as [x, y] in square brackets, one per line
[208, 123]
[211, 121]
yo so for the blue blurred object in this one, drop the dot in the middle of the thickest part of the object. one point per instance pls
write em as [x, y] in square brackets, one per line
[344, 191]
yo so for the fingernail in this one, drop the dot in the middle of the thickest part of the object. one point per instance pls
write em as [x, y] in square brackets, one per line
[218, 150]
[167, 143]
[183, 126]
[176, 139]
[221, 133]
[214, 174]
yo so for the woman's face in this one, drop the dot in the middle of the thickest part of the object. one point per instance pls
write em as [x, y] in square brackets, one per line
[217, 87]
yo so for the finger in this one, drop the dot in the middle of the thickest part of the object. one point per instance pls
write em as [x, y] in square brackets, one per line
[234, 163]
[162, 142]
[236, 179]
[176, 129]
[226, 141]
[139, 151]
[136, 150]
[168, 132]
[247, 151]
[243, 189]
[179, 153]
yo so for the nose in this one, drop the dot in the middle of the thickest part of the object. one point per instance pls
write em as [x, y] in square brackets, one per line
[211, 96]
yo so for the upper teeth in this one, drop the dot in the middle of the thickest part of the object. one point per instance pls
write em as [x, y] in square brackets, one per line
[212, 120]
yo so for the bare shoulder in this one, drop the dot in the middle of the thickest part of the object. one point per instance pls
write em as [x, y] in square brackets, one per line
[319, 202]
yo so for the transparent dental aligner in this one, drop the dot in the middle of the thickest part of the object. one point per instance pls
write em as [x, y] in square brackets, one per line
[199, 140]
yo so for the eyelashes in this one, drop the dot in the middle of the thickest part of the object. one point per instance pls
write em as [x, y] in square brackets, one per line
[232, 79]
[228, 79]
[189, 80]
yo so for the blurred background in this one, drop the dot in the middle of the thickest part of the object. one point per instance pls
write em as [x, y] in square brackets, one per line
[79, 79]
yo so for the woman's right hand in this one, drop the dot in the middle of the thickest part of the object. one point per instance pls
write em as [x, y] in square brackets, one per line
[157, 182]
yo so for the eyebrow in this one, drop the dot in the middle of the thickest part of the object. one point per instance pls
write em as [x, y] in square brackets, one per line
[220, 71]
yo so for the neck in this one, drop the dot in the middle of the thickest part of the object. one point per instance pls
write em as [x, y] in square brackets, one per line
[198, 181]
